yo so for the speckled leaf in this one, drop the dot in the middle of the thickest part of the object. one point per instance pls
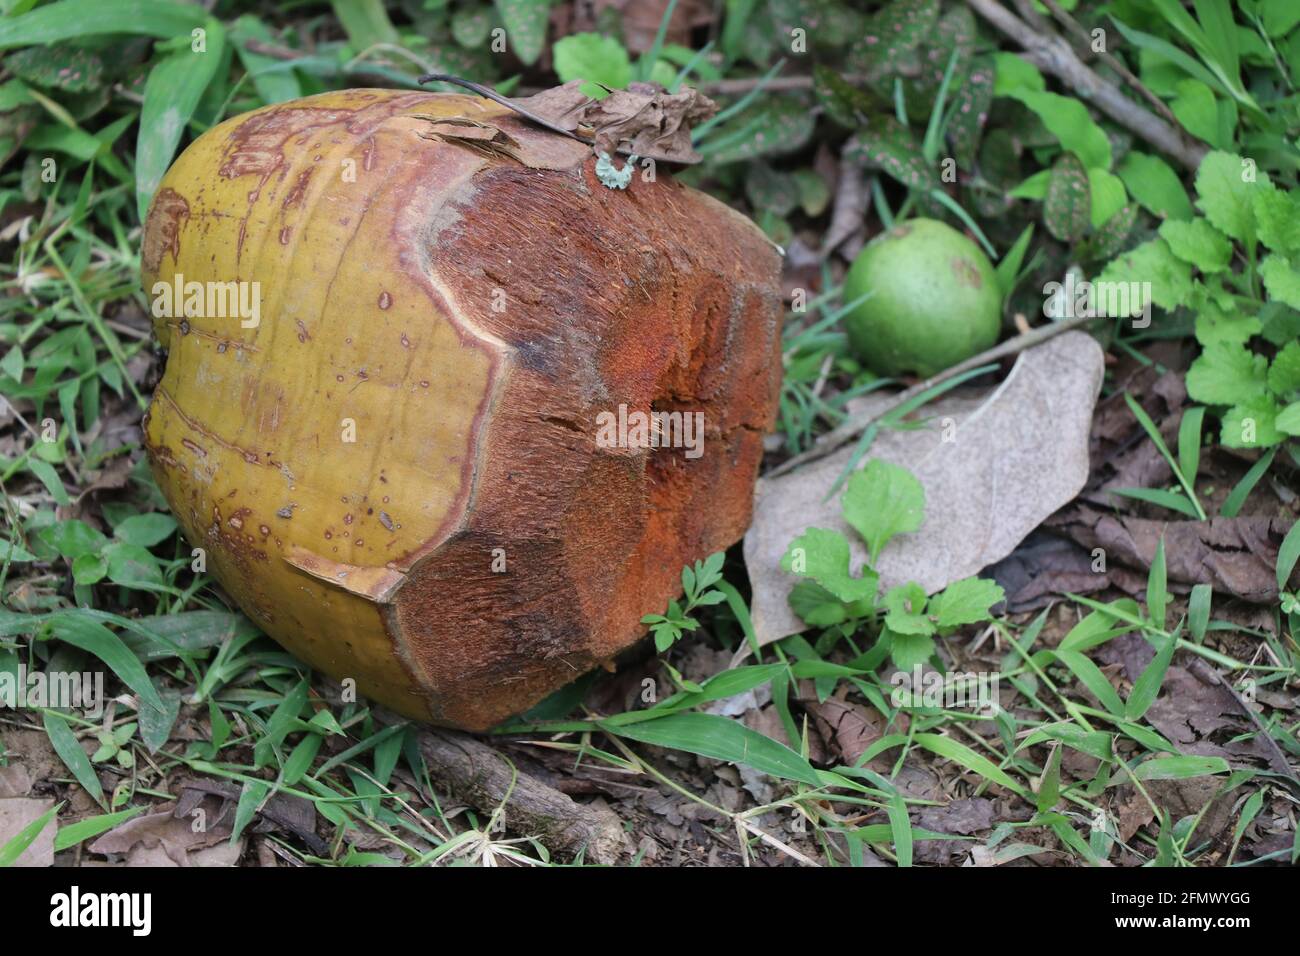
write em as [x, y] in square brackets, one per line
[973, 100]
[1109, 238]
[844, 103]
[771, 191]
[525, 22]
[999, 172]
[893, 36]
[780, 125]
[1067, 208]
[64, 66]
[955, 31]
[469, 27]
[888, 145]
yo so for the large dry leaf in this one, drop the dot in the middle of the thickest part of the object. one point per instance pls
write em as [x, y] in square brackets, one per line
[165, 839]
[1014, 458]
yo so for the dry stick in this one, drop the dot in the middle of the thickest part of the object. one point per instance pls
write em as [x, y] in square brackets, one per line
[1053, 55]
[1115, 63]
[853, 426]
[482, 777]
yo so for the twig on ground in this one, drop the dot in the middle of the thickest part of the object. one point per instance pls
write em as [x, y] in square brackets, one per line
[482, 777]
[853, 426]
[1054, 55]
[1075, 28]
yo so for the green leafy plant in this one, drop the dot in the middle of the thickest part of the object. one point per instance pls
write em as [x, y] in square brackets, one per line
[880, 502]
[698, 591]
[1234, 268]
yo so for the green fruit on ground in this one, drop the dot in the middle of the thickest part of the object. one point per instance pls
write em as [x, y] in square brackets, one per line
[934, 300]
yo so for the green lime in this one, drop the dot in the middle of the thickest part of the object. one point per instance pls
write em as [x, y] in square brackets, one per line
[934, 300]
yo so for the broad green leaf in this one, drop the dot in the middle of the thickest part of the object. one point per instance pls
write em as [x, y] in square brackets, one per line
[72, 537]
[824, 556]
[1069, 121]
[909, 650]
[1049, 790]
[1277, 217]
[156, 725]
[1284, 372]
[1199, 243]
[1013, 72]
[1226, 185]
[1198, 611]
[1227, 374]
[14, 553]
[525, 22]
[251, 796]
[1108, 196]
[881, 501]
[893, 34]
[1215, 326]
[964, 602]
[1196, 110]
[906, 610]
[1094, 743]
[1109, 239]
[1169, 278]
[774, 125]
[132, 566]
[1281, 279]
[594, 58]
[971, 110]
[145, 530]
[366, 23]
[273, 85]
[1252, 424]
[1155, 185]
[1288, 420]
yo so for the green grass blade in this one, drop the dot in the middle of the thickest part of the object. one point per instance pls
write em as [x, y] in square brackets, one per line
[1237, 497]
[11, 851]
[77, 19]
[721, 738]
[74, 758]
